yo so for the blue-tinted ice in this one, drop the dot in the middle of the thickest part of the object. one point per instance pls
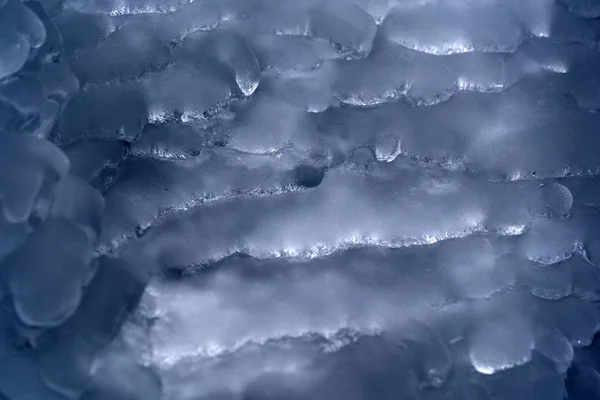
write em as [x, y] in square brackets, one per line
[277, 199]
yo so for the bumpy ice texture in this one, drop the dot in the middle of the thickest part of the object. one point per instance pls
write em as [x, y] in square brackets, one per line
[62, 305]
[344, 199]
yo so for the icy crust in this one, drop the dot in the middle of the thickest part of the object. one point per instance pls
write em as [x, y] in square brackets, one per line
[35, 83]
[382, 199]
[61, 308]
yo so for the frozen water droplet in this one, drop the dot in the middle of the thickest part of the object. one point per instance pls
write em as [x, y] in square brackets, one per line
[556, 347]
[14, 49]
[24, 184]
[387, 146]
[500, 344]
[551, 282]
[247, 81]
[45, 276]
[77, 201]
[233, 52]
[557, 199]
[32, 28]
[548, 242]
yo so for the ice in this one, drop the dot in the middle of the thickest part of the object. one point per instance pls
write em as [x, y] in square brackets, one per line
[195, 16]
[528, 382]
[185, 306]
[556, 347]
[76, 40]
[311, 91]
[120, 7]
[18, 18]
[89, 157]
[52, 46]
[431, 354]
[585, 8]
[121, 112]
[467, 393]
[30, 165]
[18, 206]
[501, 343]
[585, 278]
[548, 246]
[585, 382]
[469, 139]
[66, 367]
[21, 380]
[550, 282]
[76, 201]
[49, 220]
[459, 28]
[121, 379]
[113, 292]
[25, 105]
[45, 278]
[223, 50]
[387, 146]
[485, 26]
[12, 236]
[283, 53]
[266, 125]
[170, 141]
[272, 199]
[347, 26]
[163, 189]
[482, 271]
[558, 199]
[377, 220]
[575, 318]
[166, 28]
[15, 50]
[127, 53]
[185, 89]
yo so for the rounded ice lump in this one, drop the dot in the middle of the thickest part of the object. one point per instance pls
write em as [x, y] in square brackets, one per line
[270, 199]
[50, 223]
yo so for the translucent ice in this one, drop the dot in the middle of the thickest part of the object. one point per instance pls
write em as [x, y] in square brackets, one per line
[15, 50]
[127, 53]
[46, 278]
[49, 219]
[274, 199]
[346, 25]
[224, 50]
[501, 344]
[585, 8]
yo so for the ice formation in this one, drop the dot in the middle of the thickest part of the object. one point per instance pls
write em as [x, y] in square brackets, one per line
[299, 199]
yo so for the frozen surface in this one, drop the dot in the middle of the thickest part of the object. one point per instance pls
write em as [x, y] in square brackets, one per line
[62, 307]
[300, 200]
